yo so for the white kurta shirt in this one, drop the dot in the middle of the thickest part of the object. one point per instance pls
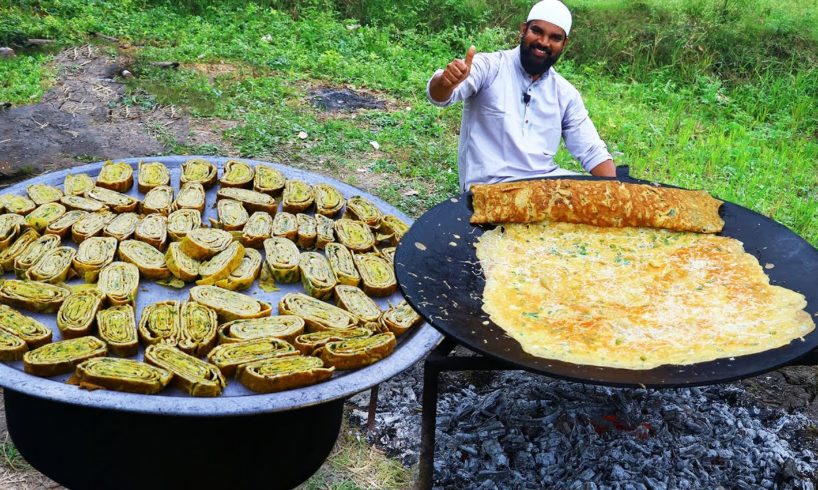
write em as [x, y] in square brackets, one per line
[504, 138]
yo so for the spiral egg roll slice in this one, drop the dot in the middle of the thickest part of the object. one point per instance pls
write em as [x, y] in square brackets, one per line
[10, 226]
[160, 323]
[90, 225]
[393, 227]
[116, 176]
[308, 342]
[197, 328]
[355, 301]
[54, 267]
[117, 328]
[9, 254]
[298, 196]
[32, 332]
[204, 243]
[63, 356]
[199, 171]
[191, 196]
[340, 259]
[158, 200]
[324, 230]
[12, 347]
[78, 313]
[317, 314]
[228, 357]
[221, 265]
[117, 201]
[190, 374]
[119, 281]
[251, 200]
[229, 305]
[388, 253]
[151, 175]
[92, 255]
[44, 215]
[285, 225]
[181, 265]
[122, 227]
[284, 327]
[43, 193]
[355, 235]
[117, 374]
[307, 232]
[232, 214]
[316, 275]
[153, 230]
[328, 200]
[13, 203]
[400, 318]
[282, 258]
[77, 184]
[362, 209]
[82, 204]
[237, 174]
[357, 352]
[259, 227]
[284, 373]
[33, 253]
[268, 180]
[183, 221]
[377, 274]
[150, 261]
[243, 276]
[62, 225]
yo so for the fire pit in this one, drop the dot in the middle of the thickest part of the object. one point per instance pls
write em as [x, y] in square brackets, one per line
[85, 439]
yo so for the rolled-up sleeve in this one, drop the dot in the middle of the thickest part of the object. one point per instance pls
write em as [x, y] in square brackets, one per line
[470, 86]
[581, 137]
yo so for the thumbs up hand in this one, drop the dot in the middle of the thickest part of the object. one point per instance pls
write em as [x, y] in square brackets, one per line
[457, 71]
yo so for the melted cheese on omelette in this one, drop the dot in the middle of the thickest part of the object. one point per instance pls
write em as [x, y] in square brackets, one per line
[633, 298]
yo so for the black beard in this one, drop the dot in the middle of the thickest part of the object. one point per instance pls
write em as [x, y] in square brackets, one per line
[534, 65]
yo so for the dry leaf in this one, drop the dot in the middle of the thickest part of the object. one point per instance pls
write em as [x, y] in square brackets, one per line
[411, 192]
[375, 145]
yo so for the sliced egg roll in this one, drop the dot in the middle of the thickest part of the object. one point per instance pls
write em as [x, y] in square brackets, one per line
[12, 347]
[191, 374]
[306, 230]
[116, 201]
[92, 255]
[355, 301]
[77, 184]
[33, 253]
[150, 261]
[10, 226]
[43, 193]
[62, 225]
[393, 228]
[122, 227]
[158, 200]
[183, 221]
[237, 174]
[159, 323]
[204, 243]
[325, 231]
[197, 328]
[259, 227]
[63, 356]
[284, 327]
[400, 318]
[116, 176]
[119, 281]
[362, 209]
[16, 204]
[298, 196]
[243, 276]
[251, 200]
[357, 352]
[117, 328]
[44, 215]
[221, 265]
[316, 275]
[377, 274]
[90, 225]
[78, 313]
[285, 225]
[232, 214]
[354, 235]
[9, 254]
[199, 171]
[282, 258]
[328, 200]
[388, 253]
[283, 373]
[54, 267]
[181, 265]
[268, 180]
[113, 373]
[151, 175]
[230, 356]
[317, 314]
[191, 196]
[340, 259]
[229, 305]
[32, 332]
[308, 342]
[153, 230]
[82, 204]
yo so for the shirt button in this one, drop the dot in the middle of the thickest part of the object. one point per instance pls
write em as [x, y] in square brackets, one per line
[526, 121]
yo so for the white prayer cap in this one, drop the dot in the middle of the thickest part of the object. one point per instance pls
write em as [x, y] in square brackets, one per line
[552, 11]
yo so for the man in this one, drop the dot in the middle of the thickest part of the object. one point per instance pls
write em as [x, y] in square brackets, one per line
[516, 106]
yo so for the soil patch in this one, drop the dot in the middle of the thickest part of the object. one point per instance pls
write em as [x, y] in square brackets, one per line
[343, 100]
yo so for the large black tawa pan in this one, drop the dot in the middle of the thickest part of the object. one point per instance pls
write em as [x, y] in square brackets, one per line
[441, 277]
